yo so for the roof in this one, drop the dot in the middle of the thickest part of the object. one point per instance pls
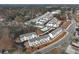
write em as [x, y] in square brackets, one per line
[44, 29]
[43, 39]
[38, 40]
[56, 12]
[27, 36]
[41, 20]
[53, 21]
[50, 24]
[56, 30]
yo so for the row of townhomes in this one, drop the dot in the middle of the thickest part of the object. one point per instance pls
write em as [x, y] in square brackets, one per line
[51, 35]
